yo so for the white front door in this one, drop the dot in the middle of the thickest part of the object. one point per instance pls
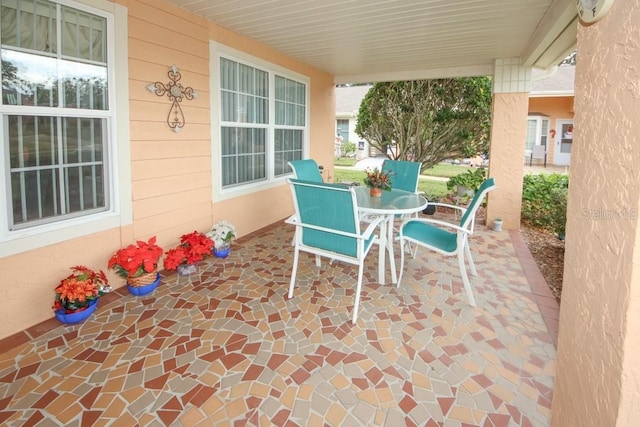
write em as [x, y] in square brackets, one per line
[564, 141]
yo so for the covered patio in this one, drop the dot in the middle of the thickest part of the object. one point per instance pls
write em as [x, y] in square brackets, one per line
[226, 347]
[195, 350]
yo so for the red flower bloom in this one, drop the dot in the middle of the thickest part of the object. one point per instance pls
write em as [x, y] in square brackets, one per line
[136, 260]
[193, 248]
[77, 290]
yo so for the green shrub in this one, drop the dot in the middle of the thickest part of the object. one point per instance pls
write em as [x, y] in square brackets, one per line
[472, 179]
[544, 201]
[348, 148]
[559, 210]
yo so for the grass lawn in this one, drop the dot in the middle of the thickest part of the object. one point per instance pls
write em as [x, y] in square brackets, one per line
[344, 161]
[429, 187]
[446, 170]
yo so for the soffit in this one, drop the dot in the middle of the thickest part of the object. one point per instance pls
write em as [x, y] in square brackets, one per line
[374, 40]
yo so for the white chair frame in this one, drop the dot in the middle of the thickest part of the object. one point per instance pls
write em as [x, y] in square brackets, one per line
[361, 238]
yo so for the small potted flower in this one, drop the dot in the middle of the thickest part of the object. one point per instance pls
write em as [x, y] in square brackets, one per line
[193, 247]
[76, 297]
[221, 234]
[139, 265]
[377, 180]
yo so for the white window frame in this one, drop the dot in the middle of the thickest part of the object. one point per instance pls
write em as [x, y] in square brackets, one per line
[118, 169]
[538, 136]
[218, 51]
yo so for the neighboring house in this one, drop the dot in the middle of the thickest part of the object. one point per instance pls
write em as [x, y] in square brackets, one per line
[549, 124]
[348, 99]
[550, 120]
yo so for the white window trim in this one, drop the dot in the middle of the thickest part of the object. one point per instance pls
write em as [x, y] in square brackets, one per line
[538, 118]
[217, 51]
[119, 169]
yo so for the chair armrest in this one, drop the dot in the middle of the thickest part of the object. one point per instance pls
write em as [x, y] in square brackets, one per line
[294, 221]
[446, 205]
[372, 226]
[435, 222]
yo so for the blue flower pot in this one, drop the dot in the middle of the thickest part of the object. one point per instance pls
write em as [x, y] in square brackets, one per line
[146, 289]
[78, 316]
[222, 252]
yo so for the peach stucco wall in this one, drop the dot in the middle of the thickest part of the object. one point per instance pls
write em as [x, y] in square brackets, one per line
[557, 108]
[507, 146]
[598, 360]
[170, 173]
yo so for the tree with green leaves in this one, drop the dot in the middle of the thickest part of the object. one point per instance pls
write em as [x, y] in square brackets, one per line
[428, 120]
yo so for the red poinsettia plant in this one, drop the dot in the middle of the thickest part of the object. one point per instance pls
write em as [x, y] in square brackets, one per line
[136, 260]
[193, 247]
[79, 289]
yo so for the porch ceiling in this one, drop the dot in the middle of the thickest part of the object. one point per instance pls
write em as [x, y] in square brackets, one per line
[377, 40]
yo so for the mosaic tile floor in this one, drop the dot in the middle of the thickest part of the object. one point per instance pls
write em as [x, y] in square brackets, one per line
[225, 347]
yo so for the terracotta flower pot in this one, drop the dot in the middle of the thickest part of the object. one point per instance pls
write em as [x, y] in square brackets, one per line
[375, 192]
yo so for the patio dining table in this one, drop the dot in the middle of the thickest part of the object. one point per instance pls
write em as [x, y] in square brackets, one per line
[392, 203]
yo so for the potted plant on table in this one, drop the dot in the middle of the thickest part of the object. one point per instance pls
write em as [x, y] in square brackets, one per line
[139, 265]
[377, 181]
[193, 247]
[76, 297]
[221, 234]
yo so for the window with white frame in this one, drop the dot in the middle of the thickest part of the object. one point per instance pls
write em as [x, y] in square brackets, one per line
[55, 111]
[537, 131]
[263, 122]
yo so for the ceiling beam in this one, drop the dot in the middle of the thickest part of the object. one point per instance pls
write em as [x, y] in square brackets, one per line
[554, 37]
[436, 73]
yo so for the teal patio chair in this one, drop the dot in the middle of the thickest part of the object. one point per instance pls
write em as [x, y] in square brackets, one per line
[433, 234]
[405, 175]
[327, 225]
[306, 169]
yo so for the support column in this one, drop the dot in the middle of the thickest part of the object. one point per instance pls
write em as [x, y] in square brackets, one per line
[510, 105]
[598, 360]
[511, 84]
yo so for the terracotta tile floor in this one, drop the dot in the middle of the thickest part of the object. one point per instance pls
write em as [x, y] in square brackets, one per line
[225, 347]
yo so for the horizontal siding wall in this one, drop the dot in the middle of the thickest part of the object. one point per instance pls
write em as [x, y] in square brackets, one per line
[171, 175]
[170, 171]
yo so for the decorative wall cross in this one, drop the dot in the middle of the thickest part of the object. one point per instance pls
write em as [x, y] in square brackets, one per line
[176, 92]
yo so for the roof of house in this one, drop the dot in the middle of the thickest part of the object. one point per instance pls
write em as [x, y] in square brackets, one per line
[348, 99]
[559, 83]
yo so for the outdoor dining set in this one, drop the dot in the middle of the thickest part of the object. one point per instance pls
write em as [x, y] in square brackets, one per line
[342, 222]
